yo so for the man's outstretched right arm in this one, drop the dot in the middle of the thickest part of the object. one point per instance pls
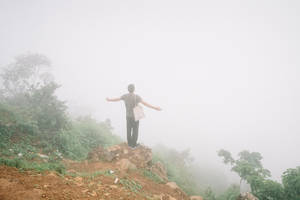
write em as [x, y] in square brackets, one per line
[150, 106]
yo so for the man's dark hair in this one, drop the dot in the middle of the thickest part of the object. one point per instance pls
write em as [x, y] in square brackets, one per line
[131, 88]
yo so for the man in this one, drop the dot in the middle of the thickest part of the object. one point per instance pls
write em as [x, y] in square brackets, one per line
[131, 100]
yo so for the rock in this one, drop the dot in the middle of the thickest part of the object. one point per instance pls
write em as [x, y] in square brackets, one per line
[173, 185]
[163, 197]
[43, 156]
[93, 194]
[247, 196]
[85, 190]
[158, 197]
[72, 171]
[78, 179]
[113, 186]
[52, 174]
[101, 154]
[196, 198]
[114, 148]
[171, 198]
[116, 180]
[125, 165]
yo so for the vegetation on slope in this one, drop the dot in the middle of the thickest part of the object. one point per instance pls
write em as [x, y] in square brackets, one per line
[36, 133]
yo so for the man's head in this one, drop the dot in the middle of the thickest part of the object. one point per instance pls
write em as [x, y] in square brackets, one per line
[131, 88]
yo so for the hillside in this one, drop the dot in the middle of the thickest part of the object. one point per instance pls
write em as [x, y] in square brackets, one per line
[117, 172]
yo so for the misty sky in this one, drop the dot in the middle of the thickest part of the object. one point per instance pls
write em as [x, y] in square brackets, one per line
[226, 73]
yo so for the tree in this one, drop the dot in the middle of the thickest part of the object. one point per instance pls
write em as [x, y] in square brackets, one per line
[249, 167]
[47, 109]
[291, 183]
[29, 86]
[28, 72]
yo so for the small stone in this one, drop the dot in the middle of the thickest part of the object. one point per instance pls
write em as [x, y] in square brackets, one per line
[113, 186]
[93, 194]
[116, 180]
[85, 190]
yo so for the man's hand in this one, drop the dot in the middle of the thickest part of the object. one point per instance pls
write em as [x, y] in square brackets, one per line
[158, 109]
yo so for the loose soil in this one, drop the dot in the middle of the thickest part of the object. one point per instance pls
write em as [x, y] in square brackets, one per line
[85, 181]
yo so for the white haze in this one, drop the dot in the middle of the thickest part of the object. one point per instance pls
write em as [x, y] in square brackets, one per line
[226, 73]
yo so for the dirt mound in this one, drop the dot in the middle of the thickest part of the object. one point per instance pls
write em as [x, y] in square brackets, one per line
[99, 178]
[141, 156]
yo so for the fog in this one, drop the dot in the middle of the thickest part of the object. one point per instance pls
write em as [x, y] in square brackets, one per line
[225, 73]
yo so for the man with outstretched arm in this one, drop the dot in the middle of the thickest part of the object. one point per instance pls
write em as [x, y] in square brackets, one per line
[131, 100]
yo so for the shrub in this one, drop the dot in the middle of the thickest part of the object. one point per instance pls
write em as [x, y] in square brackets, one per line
[178, 167]
[230, 194]
[84, 135]
[291, 183]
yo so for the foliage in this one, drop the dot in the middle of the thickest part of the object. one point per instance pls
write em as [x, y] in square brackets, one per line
[291, 183]
[269, 190]
[84, 135]
[26, 73]
[154, 177]
[22, 164]
[43, 100]
[209, 194]
[230, 194]
[249, 167]
[31, 113]
[29, 88]
[132, 185]
[178, 167]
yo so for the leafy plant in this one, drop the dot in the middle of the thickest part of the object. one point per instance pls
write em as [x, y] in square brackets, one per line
[249, 167]
[25, 165]
[152, 176]
[132, 185]
[178, 166]
[230, 194]
[291, 183]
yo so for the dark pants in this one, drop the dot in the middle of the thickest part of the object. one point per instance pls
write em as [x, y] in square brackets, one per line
[132, 131]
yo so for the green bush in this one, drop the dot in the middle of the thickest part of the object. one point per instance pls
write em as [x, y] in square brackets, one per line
[152, 176]
[25, 165]
[84, 135]
[291, 183]
[178, 167]
[230, 194]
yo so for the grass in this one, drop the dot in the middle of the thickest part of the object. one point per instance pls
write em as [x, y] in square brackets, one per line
[22, 164]
[152, 176]
[132, 185]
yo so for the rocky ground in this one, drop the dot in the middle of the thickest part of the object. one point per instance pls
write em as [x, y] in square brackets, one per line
[118, 172]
